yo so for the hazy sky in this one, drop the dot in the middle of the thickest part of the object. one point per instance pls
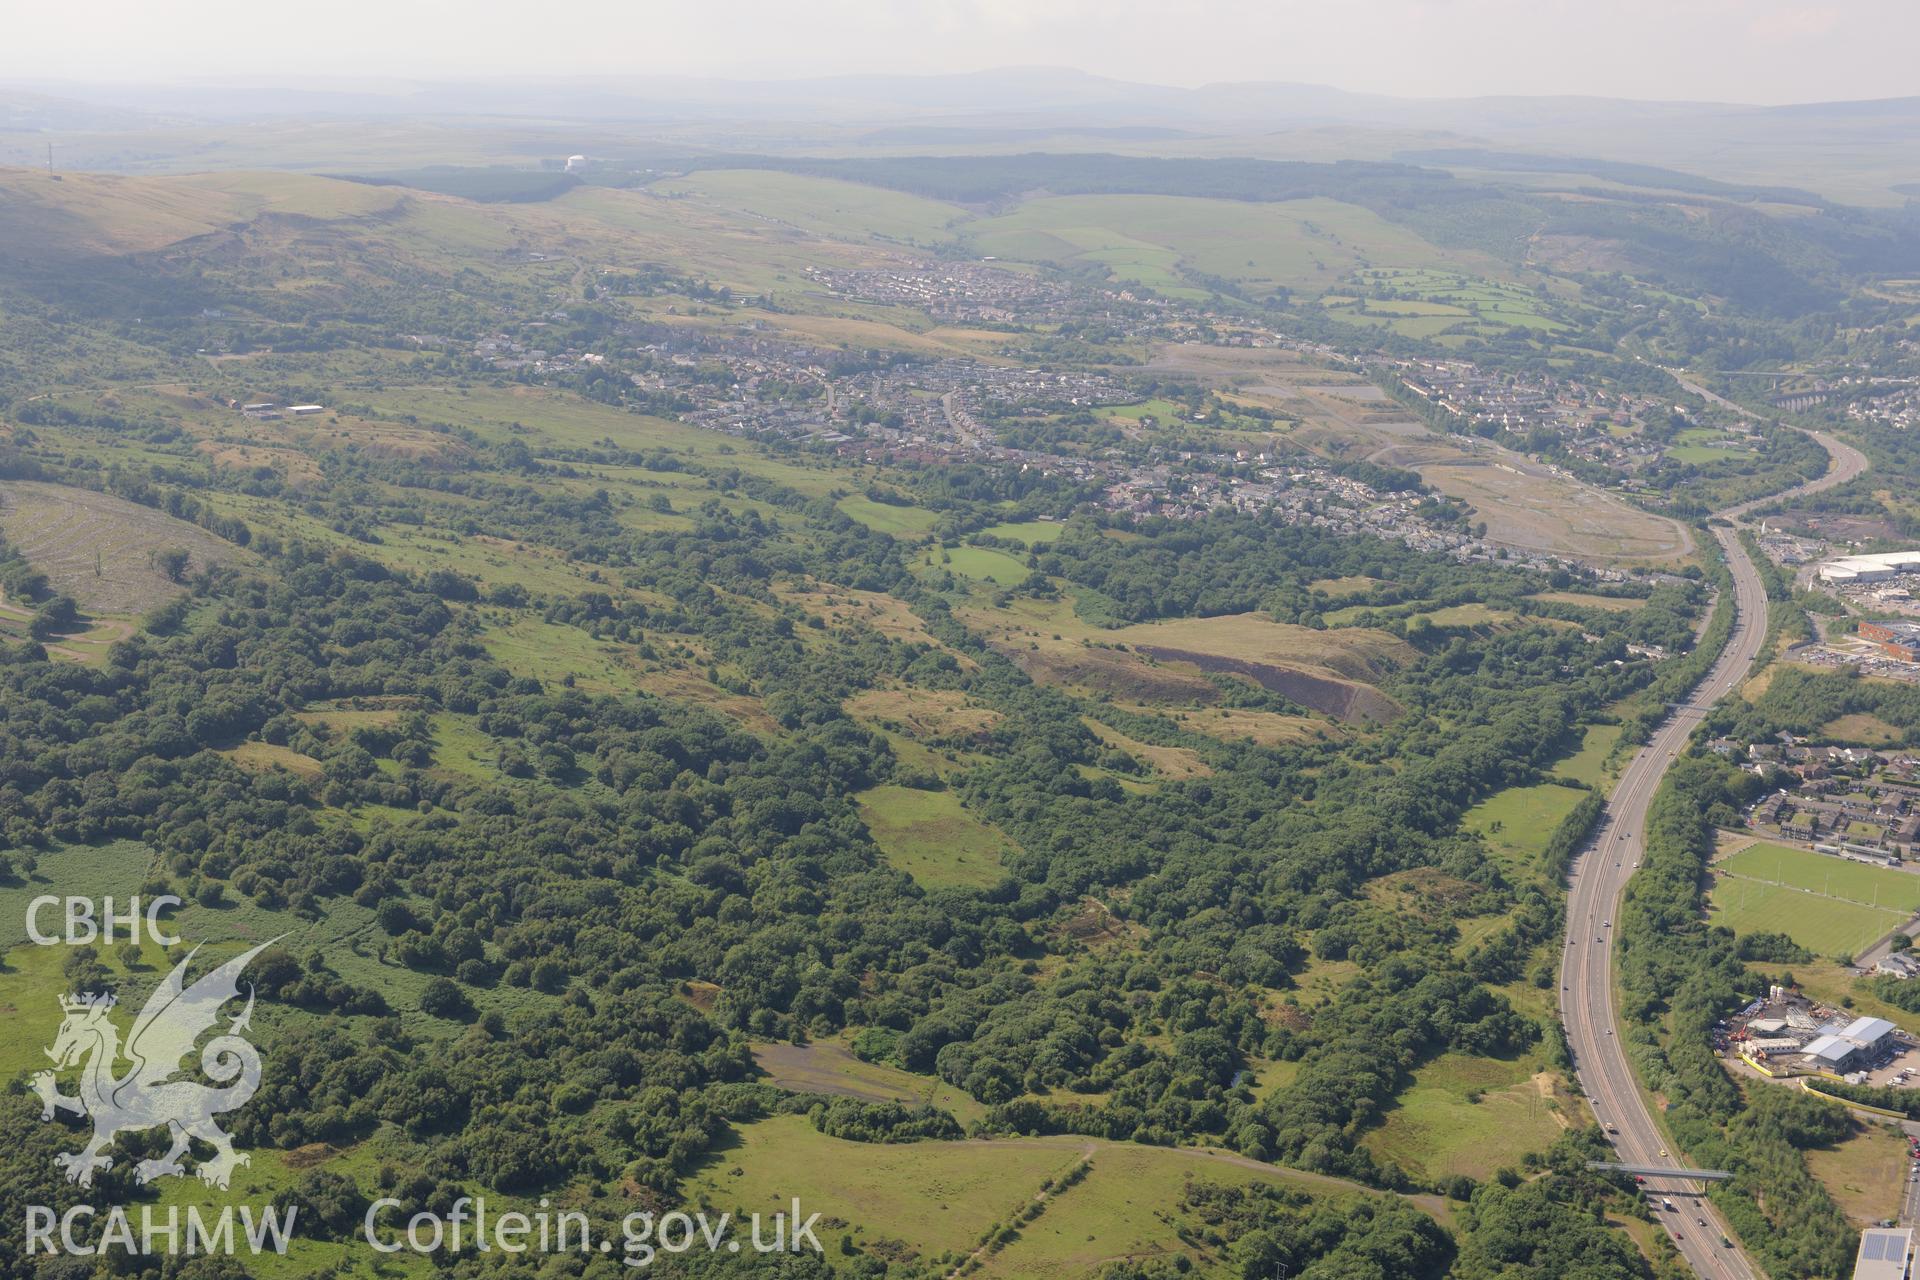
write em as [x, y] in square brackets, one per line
[1737, 50]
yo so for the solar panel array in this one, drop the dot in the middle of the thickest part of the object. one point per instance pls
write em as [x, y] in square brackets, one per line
[1883, 1255]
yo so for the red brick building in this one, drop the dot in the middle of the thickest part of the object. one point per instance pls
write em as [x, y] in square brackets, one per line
[1899, 640]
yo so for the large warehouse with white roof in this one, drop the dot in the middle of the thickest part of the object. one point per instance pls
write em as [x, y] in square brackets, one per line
[1870, 568]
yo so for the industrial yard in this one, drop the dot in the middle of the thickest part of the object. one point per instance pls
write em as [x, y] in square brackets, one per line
[1785, 1035]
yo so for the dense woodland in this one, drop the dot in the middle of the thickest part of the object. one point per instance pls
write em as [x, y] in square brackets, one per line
[636, 843]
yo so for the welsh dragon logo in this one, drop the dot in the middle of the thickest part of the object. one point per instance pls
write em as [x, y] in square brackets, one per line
[146, 1096]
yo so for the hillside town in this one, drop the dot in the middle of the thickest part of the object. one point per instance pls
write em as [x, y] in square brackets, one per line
[750, 380]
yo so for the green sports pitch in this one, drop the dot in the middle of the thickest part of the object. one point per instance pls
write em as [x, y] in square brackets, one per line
[1827, 904]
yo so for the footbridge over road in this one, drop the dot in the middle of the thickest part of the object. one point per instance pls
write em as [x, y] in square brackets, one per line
[1660, 1171]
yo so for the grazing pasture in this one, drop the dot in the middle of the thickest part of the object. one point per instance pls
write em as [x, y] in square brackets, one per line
[931, 837]
[1169, 242]
[1469, 1115]
[824, 207]
[887, 517]
[825, 1067]
[99, 549]
[1518, 821]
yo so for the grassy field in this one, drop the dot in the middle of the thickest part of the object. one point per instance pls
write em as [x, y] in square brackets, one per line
[1466, 615]
[1705, 445]
[1154, 240]
[109, 214]
[826, 1067]
[1822, 925]
[985, 564]
[1174, 762]
[819, 206]
[886, 614]
[1863, 729]
[935, 1202]
[1866, 1173]
[1127, 1207]
[1518, 821]
[1164, 662]
[460, 747]
[936, 1198]
[1589, 763]
[1323, 979]
[1703, 454]
[1032, 532]
[1268, 728]
[884, 517]
[344, 720]
[923, 714]
[1475, 304]
[928, 835]
[1826, 875]
[97, 548]
[1340, 588]
[540, 415]
[114, 868]
[1826, 904]
[1621, 604]
[549, 651]
[1541, 512]
[265, 757]
[1351, 652]
[1468, 1115]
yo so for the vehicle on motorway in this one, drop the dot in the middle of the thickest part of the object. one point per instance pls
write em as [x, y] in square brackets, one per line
[1666, 1204]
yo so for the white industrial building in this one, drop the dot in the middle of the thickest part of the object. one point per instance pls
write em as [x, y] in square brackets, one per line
[1885, 1254]
[1870, 568]
[1841, 1049]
